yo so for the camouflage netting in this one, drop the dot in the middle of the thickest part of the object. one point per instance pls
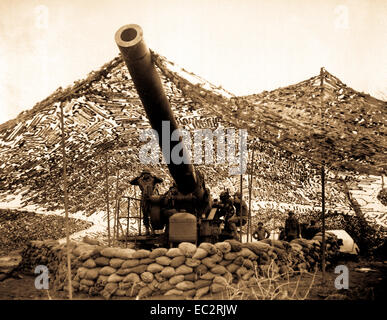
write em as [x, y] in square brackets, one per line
[103, 115]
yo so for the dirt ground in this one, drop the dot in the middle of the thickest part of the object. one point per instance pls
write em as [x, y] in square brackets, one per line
[370, 285]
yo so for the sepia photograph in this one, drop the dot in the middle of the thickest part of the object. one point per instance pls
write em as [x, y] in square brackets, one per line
[194, 158]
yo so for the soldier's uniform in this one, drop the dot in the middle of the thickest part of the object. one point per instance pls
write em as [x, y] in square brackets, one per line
[235, 220]
[147, 182]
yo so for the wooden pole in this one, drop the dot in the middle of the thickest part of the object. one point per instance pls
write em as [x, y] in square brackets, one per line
[70, 287]
[116, 219]
[323, 219]
[240, 207]
[322, 179]
[127, 223]
[107, 196]
[140, 213]
[249, 234]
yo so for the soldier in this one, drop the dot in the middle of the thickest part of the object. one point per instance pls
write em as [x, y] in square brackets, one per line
[235, 220]
[292, 227]
[311, 230]
[261, 233]
[225, 205]
[147, 182]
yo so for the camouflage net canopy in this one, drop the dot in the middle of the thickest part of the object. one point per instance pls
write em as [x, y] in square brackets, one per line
[103, 116]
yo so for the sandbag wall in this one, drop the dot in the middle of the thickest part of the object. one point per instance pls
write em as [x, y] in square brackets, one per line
[186, 271]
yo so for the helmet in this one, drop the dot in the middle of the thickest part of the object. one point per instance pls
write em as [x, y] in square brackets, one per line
[224, 195]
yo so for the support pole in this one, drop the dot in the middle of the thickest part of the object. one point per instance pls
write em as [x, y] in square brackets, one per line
[322, 178]
[240, 207]
[127, 223]
[70, 287]
[323, 218]
[249, 227]
[107, 196]
[117, 211]
[140, 213]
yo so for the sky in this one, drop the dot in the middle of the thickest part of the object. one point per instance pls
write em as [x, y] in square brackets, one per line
[245, 46]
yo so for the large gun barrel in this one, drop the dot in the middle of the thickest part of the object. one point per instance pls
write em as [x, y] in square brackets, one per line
[138, 59]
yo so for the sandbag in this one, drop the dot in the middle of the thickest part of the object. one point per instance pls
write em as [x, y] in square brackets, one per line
[81, 272]
[92, 274]
[209, 247]
[139, 269]
[217, 257]
[111, 287]
[147, 260]
[220, 280]
[241, 271]
[247, 253]
[130, 263]
[239, 261]
[225, 263]
[200, 254]
[202, 283]
[207, 276]
[174, 252]
[218, 270]
[116, 263]
[216, 287]
[117, 253]
[123, 272]
[176, 279]
[158, 253]
[209, 262]
[185, 285]
[140, 254]
[232, 267]
[102, 261]
[159, 277]
[248, 264]
[183, 269]
[201, 292]
[190, 262]
[144, 293]
[107, 271]
[191, 277]
[89, 263]
[201, 269]
[224, 247]
[189, 293]
[174, 292]
[86, 282]
[85, 251]
[168, 272]
[154, 268]
[120, 293]
[177, 261]
[163, 260]
[188, 249]
[230, 256]
[147, 277]
[132, 277]
[235, 245]
[102, 280]
[115, 278]
[125, 285]
[165, 286]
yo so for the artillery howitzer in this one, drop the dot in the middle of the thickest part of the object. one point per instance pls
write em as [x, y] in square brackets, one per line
[186, 213]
